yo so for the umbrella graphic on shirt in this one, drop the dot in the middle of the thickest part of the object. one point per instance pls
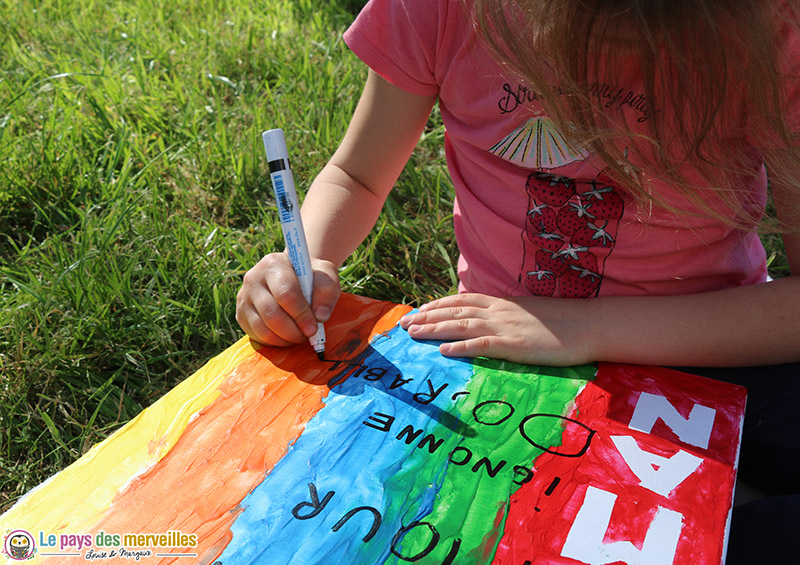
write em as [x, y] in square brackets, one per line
[537, 144]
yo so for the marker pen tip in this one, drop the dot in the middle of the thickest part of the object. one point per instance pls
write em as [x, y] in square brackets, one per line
[321, 355]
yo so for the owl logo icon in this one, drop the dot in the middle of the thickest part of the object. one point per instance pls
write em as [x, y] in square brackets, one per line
[19, 545]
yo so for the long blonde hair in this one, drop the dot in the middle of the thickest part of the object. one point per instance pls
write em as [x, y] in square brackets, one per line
[710, 76]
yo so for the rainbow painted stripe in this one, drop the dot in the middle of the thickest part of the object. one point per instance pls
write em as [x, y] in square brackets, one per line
[390, 453]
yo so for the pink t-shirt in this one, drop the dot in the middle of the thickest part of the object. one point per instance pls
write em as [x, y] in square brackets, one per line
[532, 215]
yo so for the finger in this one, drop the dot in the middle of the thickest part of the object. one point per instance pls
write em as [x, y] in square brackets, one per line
[279, 322]
[457, 306]
[462, 338]
[250, 320]
[462, 300]
[442, 314]
[262, 319]
[284, 291]
[498, 347]
[254, 327]
[447, 330]
[484, 346]
[327, 290]
[272, 280]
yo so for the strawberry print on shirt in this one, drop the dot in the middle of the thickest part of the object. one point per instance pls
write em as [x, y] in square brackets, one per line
[570, 225]
[570, 230]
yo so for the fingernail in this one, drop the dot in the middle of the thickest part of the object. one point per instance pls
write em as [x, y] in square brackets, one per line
[322, 313]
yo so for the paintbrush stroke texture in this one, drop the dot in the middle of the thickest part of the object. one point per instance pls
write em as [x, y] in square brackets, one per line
[453, 483]
[144, 477]
[131, 450]
[388, 452]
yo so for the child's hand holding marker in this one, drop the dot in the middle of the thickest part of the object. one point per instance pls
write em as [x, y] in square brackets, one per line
[271, 308]
[286, 296]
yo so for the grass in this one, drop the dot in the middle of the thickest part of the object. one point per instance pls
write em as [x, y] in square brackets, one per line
[134, 196]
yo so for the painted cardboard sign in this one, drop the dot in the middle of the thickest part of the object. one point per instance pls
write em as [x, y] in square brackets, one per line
[388, 452]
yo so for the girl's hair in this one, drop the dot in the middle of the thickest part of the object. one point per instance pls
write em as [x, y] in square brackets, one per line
[710, 75]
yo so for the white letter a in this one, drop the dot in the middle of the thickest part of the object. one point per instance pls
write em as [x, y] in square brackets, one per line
[585, 538]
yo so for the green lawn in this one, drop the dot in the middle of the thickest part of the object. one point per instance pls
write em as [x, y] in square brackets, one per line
[134, 195]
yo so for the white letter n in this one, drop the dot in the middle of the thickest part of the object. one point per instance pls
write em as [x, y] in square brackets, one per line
[694, 430]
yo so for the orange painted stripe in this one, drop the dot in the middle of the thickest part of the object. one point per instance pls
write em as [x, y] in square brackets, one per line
[228, 446]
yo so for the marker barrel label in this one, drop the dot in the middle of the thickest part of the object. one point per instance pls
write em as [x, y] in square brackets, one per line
[292, 227]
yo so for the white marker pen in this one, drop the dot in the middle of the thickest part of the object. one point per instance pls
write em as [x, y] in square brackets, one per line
[291, 224]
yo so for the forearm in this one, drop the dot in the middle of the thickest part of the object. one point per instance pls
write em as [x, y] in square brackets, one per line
[345, 199]
[754, 325]
[338, 213]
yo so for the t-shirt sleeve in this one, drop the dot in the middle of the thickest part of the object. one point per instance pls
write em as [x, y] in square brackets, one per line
[397, 39]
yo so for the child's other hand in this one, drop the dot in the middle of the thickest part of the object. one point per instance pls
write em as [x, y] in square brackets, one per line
[271, 308]
[531, 330]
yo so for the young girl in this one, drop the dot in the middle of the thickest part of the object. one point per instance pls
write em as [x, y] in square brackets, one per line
[609, 160]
